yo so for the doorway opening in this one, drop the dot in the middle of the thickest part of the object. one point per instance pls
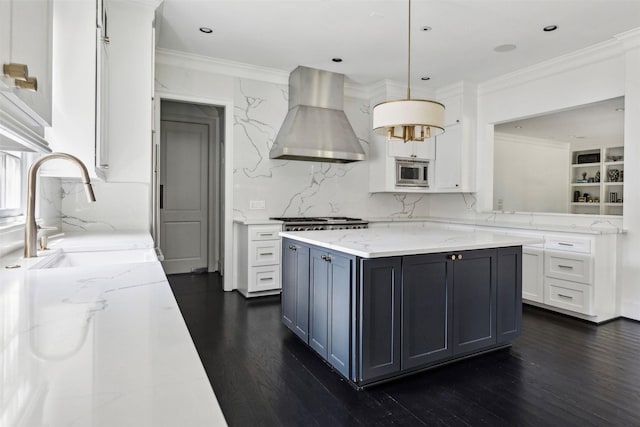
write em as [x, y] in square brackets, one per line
[189, 219]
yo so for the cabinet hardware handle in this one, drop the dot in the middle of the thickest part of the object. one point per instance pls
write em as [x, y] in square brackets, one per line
[565, 244]
[326, 258]
[565, 266]
[459, 256]
[16, 71]
[30, 84]
[161, 196]
[264, 279]
[293, 247]
[452, 257]
[266, 234]
[266, 253]
[565, 296]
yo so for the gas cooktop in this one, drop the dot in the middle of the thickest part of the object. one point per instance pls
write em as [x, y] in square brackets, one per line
[304, 223]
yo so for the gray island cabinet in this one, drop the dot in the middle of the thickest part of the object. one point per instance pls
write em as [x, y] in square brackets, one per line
[376, 318]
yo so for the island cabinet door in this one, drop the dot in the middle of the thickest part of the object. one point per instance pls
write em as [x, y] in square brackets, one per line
[426, 310]
[379, 317]
[509, 294]
[330, 307]
[295, 288]
[318, 301]
[474, 296]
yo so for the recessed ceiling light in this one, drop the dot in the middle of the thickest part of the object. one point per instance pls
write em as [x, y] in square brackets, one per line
[550, 28]
[620, 109]
[518, 127]
[336, 59]
[426, 28]
[206, 30]
[504, 48]
[425, 78]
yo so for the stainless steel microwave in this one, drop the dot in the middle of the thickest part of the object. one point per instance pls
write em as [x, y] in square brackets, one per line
[412, 173]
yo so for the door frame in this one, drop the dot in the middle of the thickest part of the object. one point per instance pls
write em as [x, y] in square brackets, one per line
[226, 151]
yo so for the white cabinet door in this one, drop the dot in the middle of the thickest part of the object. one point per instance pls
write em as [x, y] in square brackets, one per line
[448, 163]
[5, 32]
[30, 42]
[399, 148]
[412, 149]
[532, 274]
[452, 110]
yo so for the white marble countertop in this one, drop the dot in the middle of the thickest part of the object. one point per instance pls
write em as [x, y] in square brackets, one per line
[524, 221]
[384, 242]
[256, 221]
[99, 345]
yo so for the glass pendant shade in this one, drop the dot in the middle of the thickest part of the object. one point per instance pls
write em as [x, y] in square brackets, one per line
[409, 119]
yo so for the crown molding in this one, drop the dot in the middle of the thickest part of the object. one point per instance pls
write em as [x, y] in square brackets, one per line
[630, 39]
[529, 140]
[580, 58]
[220, 66]
[242, 70]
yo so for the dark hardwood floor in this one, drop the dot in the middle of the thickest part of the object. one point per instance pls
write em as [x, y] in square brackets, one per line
[560, 372]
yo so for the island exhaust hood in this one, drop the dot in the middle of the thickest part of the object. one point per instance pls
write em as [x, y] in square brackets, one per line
[316, 128]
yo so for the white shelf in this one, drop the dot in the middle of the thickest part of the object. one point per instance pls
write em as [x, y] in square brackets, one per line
[598, 190]
[585, 165]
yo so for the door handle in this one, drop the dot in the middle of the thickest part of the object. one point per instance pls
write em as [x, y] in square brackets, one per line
[161, 196]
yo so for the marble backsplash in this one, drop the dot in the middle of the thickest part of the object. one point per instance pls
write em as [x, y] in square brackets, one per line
[301, 188]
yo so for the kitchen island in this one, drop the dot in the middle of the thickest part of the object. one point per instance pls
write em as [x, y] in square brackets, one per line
[377, 304]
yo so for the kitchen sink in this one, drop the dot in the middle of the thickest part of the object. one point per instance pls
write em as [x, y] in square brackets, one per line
[92, 258]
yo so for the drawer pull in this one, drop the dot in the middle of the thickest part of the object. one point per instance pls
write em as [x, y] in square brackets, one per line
[565, 244]
[266, 234]
[293, 247]
[326, 258]
[565, 296]
[565, 266]
[264, 279]
[266, 253]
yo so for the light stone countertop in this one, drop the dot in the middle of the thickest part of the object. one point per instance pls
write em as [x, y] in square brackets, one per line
[257, 221]
[99, 345]
[524, 222]
[407, 240]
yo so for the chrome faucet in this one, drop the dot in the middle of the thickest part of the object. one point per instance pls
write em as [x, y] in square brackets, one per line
[30, 228]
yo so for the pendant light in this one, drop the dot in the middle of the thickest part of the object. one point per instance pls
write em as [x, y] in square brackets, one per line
[409, 119]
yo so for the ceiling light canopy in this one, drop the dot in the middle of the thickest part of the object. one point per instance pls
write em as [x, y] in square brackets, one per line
[409, 119]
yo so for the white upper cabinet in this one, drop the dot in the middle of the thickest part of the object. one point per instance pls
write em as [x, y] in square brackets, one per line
[448, 167]
[26, 39]
[412, 149]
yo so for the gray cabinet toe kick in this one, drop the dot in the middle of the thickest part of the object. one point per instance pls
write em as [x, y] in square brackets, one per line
[377, 319]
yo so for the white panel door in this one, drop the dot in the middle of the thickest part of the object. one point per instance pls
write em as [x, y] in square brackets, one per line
[183, 196]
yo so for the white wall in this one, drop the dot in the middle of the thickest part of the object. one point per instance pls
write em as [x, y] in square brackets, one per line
[529, 174]
[289, 188]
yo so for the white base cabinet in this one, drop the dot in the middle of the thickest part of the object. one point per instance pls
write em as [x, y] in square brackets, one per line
[259, 254]
[533, 272]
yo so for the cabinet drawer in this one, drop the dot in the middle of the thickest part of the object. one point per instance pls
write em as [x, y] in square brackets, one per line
[569, 295]
[264, 252]
[264, 278]
[572, 244]
[568, 266]
[264, 232]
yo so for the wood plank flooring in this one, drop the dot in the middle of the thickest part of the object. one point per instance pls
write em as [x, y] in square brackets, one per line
[560, 372]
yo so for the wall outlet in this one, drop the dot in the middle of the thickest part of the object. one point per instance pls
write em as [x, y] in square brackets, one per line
[255, 205]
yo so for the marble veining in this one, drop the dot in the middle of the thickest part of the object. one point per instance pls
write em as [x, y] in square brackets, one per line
[99, 345]
[407, 240]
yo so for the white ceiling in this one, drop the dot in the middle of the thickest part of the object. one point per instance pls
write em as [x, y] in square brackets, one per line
[371, 35]
[600, 123]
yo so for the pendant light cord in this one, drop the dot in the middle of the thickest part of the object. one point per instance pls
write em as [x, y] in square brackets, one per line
[409, 57]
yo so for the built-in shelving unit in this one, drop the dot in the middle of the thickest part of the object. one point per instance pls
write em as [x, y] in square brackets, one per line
[597, 181]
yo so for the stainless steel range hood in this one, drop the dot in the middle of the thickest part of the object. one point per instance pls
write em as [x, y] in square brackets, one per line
[316, 128]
